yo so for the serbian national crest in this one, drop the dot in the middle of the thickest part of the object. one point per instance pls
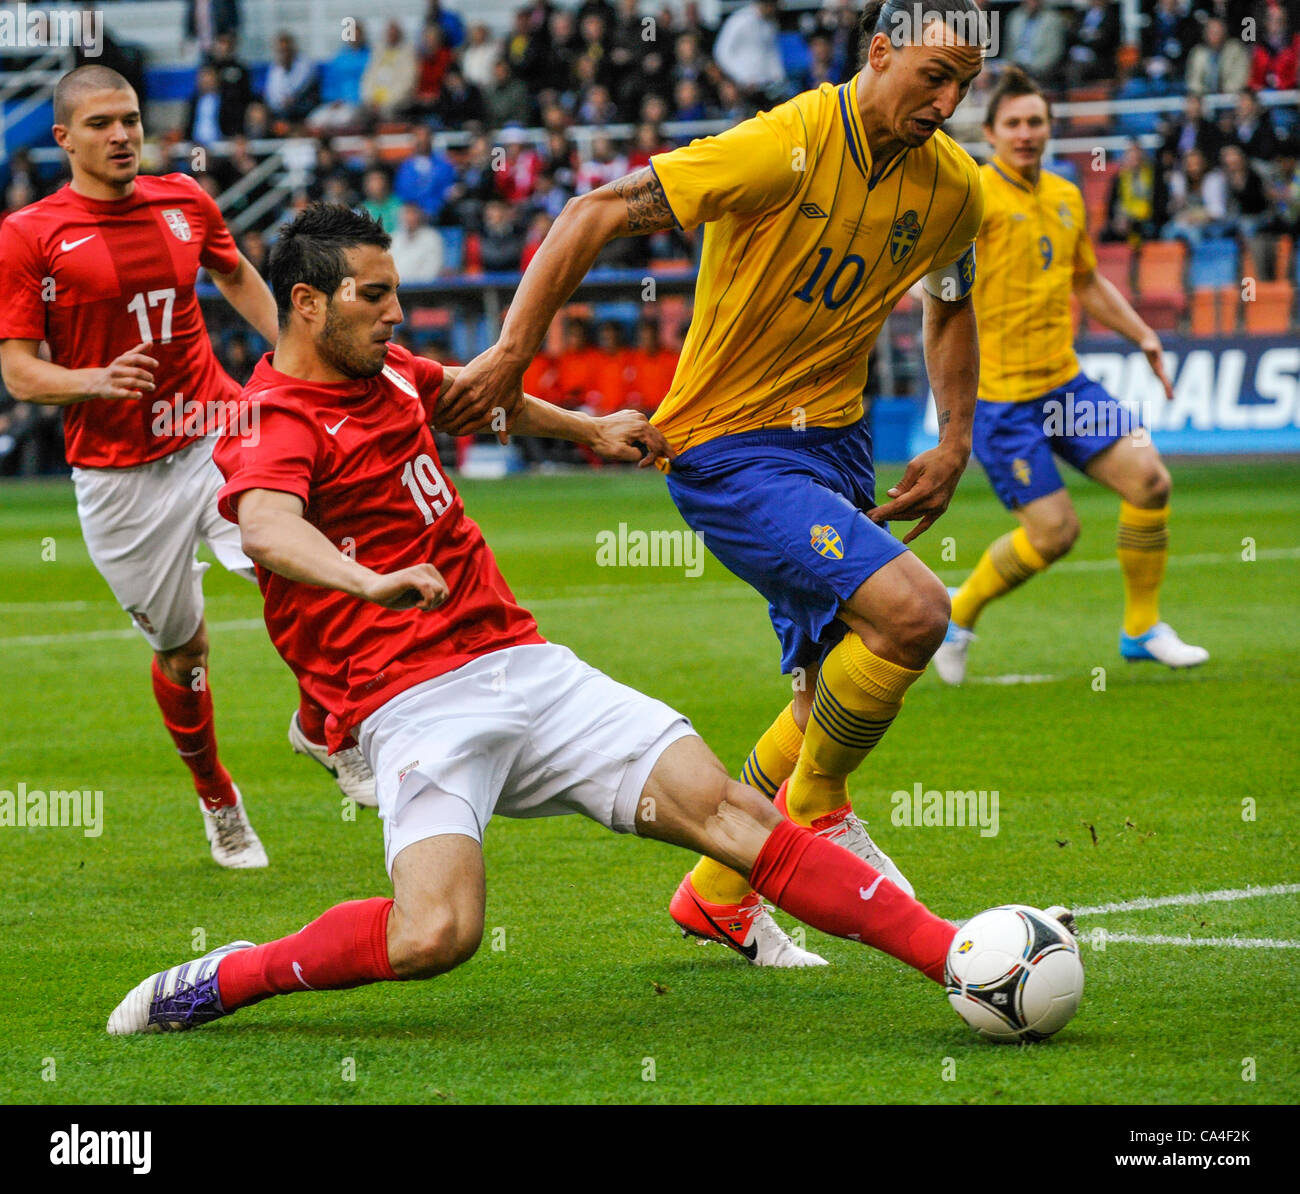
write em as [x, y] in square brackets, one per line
[826, 541]
[179, 225]
[907, 228]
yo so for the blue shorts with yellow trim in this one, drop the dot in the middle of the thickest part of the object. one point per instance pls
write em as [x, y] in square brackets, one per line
[785, 511]
[1017, 442]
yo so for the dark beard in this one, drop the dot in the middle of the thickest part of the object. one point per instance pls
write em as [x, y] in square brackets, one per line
[333, 348]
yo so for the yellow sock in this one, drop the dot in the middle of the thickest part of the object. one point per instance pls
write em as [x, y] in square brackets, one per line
[767, 768]
[858, 696]
[1143, 547]
[1008, 562]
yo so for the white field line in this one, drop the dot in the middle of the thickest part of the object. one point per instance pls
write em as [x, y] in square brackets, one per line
[1013, 679]
[90, 636]
[1191, 897]
[1231, 942]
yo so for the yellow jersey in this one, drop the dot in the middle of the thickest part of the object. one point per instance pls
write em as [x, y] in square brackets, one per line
[1032, 245]
[803, 261]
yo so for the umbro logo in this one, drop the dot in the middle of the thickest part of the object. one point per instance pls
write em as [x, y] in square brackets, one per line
[812, 211]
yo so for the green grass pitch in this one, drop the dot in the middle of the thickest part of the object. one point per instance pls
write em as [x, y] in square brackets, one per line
[583, 991]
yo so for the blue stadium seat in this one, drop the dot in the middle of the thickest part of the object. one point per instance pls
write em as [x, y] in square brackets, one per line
[1215, 263]
[795, 55]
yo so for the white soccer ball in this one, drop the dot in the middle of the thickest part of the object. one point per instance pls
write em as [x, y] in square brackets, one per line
[1014, 974]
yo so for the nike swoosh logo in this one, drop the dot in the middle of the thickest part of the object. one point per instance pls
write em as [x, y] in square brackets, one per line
[297, 973]
[72, 245]
[867, 892]
[750, 951]
[334, 430]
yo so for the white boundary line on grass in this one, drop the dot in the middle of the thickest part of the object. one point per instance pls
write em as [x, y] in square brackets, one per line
[1191, 897]
[1161, 939]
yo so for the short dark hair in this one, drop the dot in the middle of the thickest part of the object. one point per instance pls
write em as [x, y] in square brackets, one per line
[311, 249]
[1012, 84]
[879, 15]
[69, 90]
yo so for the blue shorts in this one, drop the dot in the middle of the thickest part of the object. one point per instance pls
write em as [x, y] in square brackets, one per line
[1015, 441]
[785, 511]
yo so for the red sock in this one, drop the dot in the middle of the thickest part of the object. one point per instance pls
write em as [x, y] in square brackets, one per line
[823, 885]
[188, 717]
[311, 718]
[346, 946]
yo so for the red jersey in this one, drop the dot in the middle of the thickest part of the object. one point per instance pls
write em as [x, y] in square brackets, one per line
[95, 277]
[362, 458]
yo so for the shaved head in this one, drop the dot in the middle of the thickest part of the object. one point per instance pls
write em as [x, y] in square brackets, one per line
[77, 84]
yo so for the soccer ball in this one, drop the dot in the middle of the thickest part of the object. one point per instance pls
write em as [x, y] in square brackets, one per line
[1013, 974]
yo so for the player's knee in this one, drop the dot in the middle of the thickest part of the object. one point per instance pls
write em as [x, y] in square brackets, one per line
[184, 666]
[440, 942]
[919, 621]
[1053, 539]
[1156, 487]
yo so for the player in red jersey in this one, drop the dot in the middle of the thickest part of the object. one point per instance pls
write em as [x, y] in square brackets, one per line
[382, 596]
[102, 271]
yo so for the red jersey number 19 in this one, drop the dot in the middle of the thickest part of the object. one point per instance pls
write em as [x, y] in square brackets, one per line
[427, 487]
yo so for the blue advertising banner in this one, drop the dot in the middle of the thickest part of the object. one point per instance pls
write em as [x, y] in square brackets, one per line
[1231, 394]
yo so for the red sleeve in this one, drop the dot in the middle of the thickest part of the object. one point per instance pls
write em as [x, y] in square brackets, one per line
[279, 453]
[1258, 69]
[220, 252]
[428, 381]
[22, 282]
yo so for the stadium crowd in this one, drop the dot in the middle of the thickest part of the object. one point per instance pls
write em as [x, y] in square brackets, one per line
[484, 203]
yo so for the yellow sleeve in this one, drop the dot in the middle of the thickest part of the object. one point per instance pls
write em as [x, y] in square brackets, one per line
[753, 167]
[953, 275]
[1085, 258]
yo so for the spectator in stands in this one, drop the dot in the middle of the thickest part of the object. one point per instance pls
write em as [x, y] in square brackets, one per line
[435, 60]
[558, 71]
[604, 165]
[690, 63]
[1198, 201]
[1193, 131]
[257, 121]
[651, 369]
[460, 104]
[1219, 63]
[1247, 196]
[508, 100]
[592, 36]
[646, 142]
[654, 109]
[1283, 183]
[500, 245]
[688, 104]
[838, 20]
[340, 82]
[453, 28]
[417, 248]
[520, 167]
[538, 226]
[18, 194]
[291, 90]
[237, 358]
[426, 177]
[253, 246]
[388, 84]
[479, 56]
[233, 78]
[525, 49]
[1131, 210]
[1274, 63]
[578, 368]
[1168, 37]
[207, 20]
[379, 200]
[1094, 42]
[596, 106]
[21, 171]
[208, 120]
[654, 79]
[475, 185]
[747, 50]
[560, 159]
[236, 168]
[821, 66]
[1251, 127]
[612, 370]
[731, 106]
[627, 37]
[1036, 38]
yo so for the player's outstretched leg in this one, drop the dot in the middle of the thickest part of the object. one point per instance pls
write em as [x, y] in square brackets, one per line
[433, 923]
[1048, 530]
[181, 688]
[347, 765]
[715, 903]
[697, 805]
[1133, 469]
[896, 620]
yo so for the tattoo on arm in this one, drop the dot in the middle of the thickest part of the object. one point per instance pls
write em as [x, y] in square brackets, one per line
[944, 416]
[647, 205]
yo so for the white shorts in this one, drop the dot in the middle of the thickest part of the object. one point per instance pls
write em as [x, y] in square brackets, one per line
[529, 731]
[143, 526]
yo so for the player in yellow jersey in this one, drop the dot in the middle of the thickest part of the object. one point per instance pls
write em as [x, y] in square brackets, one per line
[1034, 403]
[819, 215]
